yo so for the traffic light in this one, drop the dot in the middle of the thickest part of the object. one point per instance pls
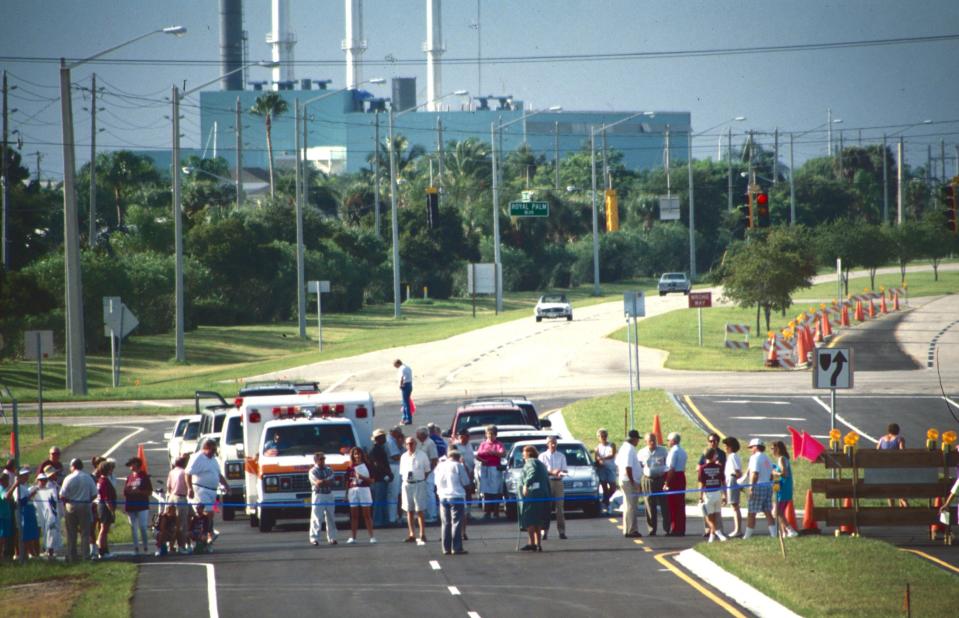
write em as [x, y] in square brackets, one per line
[742, 221]
[432, 207]
[612, 211]
[762, 209]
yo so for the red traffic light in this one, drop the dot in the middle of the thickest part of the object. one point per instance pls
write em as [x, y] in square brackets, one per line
[762, 199]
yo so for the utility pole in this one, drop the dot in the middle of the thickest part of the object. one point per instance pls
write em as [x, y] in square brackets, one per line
[885, 181]
[439, 161]
[4, 155]
[376, 174]
[395, 221]
[729, 167]
[841, 146]
[92, 232]
[496, 248]
[606, 179]
[666, 163]
[942, 160]
[692, 208]
[238, 131]
[556, 155]
[829, 131]
[792, 184]
[899, 180]
[300, 275]
[179, 306]
[592, 150]
[776, 155]
[38, 155]
[928, 165]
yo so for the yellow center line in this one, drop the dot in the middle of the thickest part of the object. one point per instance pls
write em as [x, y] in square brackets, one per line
[647, 550]
[662, 558]
[702, 417]
[930, 558]
[638, 541]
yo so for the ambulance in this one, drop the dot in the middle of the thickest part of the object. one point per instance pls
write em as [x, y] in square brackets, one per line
[280, 436]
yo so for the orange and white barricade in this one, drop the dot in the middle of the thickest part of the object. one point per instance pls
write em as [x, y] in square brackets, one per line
[736, 329]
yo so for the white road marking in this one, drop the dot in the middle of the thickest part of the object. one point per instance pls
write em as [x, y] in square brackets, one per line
[122, 440]
[742, 401]
[212, 606]
[454, 591]
[845, 422]
[435, 565]
[766, 418]
[160, 404]
[952, 403]
[337, 384]
[768, 435]
[155, 449]
[473, 615]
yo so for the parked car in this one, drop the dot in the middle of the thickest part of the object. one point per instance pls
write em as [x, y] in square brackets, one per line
[185, 443]
[674, 282]
[520, 401]
[174, 437]
[482, 413]
[580, 487]
[551, 306]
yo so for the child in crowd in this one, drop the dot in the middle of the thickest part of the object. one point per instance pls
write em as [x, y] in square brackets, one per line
[200, 531]
[165, 529]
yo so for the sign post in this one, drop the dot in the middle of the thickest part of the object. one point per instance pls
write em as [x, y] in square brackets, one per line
[482, 279]
[700, 300]
[319, 288]
[634, 306]
[118, 322]
[38, 345]
[529, 209]
[833, 369]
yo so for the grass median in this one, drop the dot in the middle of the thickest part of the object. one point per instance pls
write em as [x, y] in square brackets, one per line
[828, 576]
[918, 283]
[218, 354]
[41, 588]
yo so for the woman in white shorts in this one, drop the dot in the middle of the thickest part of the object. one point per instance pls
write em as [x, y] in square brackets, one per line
[732, 472]
[358, 493]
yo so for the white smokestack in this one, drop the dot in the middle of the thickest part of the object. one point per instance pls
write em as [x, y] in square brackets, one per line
[354, 44]
[282, 40]
[434, 50]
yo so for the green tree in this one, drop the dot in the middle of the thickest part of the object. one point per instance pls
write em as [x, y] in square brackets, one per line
[906, 242]
[269, 106]
[124, 172]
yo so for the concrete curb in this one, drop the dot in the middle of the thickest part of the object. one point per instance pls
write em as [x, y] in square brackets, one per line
[731, 586]
[559, 423]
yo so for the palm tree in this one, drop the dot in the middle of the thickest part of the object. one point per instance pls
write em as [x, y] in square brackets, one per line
[269, 105]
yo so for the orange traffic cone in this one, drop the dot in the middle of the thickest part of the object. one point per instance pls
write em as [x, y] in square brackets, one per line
[817, 332]
[657, 430]
[895, 301]
[802, 349]
[772, 359]
[13, 444]
[142, 457]
[882, 304]
[936, 528]
[790, 515]
[826, 328]
[844, 316]
[809, 516]
[847, 528]
[872, 309]
[859, 314]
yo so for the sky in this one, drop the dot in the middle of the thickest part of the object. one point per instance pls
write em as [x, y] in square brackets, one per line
[874, 89]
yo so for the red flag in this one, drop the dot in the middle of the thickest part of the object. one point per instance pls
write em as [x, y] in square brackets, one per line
[13, 445]
[811, 447]
[412, 407]
[797, 441]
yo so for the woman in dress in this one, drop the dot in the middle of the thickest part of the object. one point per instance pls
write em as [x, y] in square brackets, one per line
[892, 441]
[732, 470]
[490, 455]
[535, 506]
[606, 465]
[359, 481]
[783, 470]
[22, 494]
[106, 506]
[46, 498]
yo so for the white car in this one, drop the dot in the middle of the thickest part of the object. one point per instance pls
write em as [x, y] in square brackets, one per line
[552, 306]
[174, 437]
[673, 282]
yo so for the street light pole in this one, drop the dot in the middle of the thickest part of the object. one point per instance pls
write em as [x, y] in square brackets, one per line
[729, 168]
[885, 181]
[900, 151]
[592, 163]
[92, 233]
[180, 352]
[692, 209]
[376, 174]
[497, 276]
[395, 221]
[300, 265]
[238, 124]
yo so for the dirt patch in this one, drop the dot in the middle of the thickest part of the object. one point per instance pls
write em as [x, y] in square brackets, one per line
[47, 599]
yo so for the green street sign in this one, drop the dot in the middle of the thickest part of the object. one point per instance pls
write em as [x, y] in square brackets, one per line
[529, 209]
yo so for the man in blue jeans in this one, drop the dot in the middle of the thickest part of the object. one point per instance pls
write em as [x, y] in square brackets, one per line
[451, 483]
[406, 388]
[379, 465]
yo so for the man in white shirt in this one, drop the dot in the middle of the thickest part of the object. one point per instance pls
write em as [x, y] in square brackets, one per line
[555, 463]
[676, 481]
[759, 474]
[202, 478]
[468, 457]
[77, 494]
[394, 449]
[653, 458]
[629, 470]
[425, 443]
[405, 377]
[451, 483]
[414, 468]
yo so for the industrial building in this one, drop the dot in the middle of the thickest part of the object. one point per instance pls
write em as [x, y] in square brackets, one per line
[342, 124]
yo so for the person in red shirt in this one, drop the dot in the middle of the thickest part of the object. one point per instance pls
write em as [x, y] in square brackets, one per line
[136, 493]
[106, 505]
[711, 495]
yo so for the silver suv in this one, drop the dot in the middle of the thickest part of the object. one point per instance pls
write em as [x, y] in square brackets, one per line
[673, 282]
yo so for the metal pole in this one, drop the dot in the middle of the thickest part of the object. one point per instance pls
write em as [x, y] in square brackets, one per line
[729, 168]
[556, 155]
[692, 209]
[298, 178]
[832, 409]
[116, 377]
[776, 155]
[496, 238]
[92, 233]
[957, 159]
[40, 383]
[18, 522]
[636, 349]
[699, 311]
[606, 179]
[319, 314]
[942, 160]
[629, 360]
[792, 184]
[666, 157]
[5, 250]
[376, 174]
[439, 165]
[829, 131]
[238, 130]
[178, 231]
[900, 152]
[397, 311]
[592, 157]
[885, 181]
[77, 369]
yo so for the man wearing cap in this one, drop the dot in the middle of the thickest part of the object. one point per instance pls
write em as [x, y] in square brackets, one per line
[379, 466]
[77, 494]
[759, 474]
[53, 459]
[629, 470]
[653, 459]
[676, 481]
[202, 477]
[426, 444]
[451, 483]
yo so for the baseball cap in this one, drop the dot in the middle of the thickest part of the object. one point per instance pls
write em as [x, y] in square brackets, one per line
[42, 477]
[633, 434]
[377, 433]
[134, 461]
[22, 471]
[756, 442]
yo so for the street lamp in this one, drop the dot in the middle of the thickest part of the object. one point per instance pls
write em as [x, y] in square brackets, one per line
[302, 187]
[175, 97]
[394, 214]
[592, 162]
[76, 359]
[900, 155]
[496, 131]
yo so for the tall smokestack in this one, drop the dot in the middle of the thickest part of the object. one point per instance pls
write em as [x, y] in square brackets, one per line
[231, 43]
[282, 40]
[434, 50]
[354, 44]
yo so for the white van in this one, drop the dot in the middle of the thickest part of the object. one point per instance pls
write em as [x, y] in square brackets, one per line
[231, 455]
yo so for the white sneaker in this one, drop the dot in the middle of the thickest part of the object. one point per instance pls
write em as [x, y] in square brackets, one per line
[420, 542]
[792, 533]
[350, 541]
[722, 537]
[773, 531]
[748, 534]
[372, 540]
[712, 537]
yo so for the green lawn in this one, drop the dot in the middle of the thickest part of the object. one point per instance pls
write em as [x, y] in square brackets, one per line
[827, 576]
[677, 332]
[919, 284]
[52, 412]
[33, 450]
[102, 589]
[218, 354]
